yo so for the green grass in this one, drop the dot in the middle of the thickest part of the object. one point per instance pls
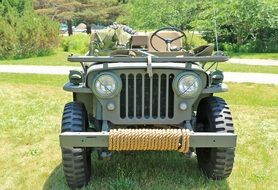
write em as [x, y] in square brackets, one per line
[31, 108]
[231, 67]
[58, 58]
[254, 55]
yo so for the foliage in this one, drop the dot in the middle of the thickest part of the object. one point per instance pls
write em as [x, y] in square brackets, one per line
[88, 11]
[36, 35]
[145, 14]
[8, 39]
[193, 40]
[251, 24]
[60, 10]
[263, 44]
[102, 12]
[243, 24]
[93, 11]
[78, 43]
[24, 33]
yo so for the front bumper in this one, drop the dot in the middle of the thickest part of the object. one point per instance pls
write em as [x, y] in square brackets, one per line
[100, 139]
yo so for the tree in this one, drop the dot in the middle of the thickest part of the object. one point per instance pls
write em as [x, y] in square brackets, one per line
[60, 10]
[88, 11]
[145, 14]
[103, 12]
[237, 19]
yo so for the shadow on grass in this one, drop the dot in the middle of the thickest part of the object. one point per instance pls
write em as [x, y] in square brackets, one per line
[145, 170]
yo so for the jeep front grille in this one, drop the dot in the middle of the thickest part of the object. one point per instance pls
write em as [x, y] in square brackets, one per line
[145, 97]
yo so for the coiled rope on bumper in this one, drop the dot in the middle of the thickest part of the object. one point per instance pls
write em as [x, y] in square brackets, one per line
[148, 139]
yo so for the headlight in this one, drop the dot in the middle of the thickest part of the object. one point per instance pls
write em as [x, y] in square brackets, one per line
[106, 85]
[187, 84]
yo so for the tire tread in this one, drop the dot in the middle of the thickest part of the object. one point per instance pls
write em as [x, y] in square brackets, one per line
[75, 163]
[220, 167]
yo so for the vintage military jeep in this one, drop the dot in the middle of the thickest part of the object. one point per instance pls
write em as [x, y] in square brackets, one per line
[149, 95]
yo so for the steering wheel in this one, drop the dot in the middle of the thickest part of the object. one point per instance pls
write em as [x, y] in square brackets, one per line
[167, 41]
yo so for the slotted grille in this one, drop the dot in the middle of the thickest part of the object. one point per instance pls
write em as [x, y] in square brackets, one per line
[145, 97]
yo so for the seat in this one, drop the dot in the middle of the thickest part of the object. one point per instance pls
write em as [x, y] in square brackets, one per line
[204, 50]
[140, 40]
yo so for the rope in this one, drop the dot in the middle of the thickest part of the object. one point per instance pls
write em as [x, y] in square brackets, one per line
[148, 139]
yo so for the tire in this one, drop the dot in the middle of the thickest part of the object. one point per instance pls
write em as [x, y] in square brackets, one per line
[76, 161]
[213, 115]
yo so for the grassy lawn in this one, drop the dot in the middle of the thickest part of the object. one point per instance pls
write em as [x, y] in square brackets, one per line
[31, 108]
[58, 58]
[254, 55]
[231, 67]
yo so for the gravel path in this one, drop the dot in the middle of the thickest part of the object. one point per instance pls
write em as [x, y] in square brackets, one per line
[260, 78]
[264, 62]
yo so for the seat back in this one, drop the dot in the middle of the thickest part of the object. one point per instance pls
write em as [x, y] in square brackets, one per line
[140, 40]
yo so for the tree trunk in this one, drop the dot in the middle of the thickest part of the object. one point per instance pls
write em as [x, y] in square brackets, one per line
[239, 40]
[182, 27]
[88, 28]
[69, 23]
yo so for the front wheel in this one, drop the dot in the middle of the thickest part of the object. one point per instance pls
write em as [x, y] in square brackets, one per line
[213, 115]
[76, 161]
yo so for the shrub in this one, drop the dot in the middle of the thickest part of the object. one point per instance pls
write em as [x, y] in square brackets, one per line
[35, 36]
[229, 47]
[8, 40]
[78, 43]
[193, 40]
[23, 33]
[258, 46]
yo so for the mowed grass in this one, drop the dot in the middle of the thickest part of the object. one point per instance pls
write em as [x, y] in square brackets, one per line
[232, 67]
[57, 58]
[31, 108]
[254, 55]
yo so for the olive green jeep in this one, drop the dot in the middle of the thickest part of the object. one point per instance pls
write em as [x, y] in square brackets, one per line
[148, 94]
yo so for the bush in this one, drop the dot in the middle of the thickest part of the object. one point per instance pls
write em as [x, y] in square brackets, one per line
[266, 41]
[78, 43]
[8, 40]
[35, 36]
[258, 46]
[229, 47]
[193, 40]
[23, 33]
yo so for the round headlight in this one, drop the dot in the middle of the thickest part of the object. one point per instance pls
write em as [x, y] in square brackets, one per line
[106, 85]
[187, 85]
